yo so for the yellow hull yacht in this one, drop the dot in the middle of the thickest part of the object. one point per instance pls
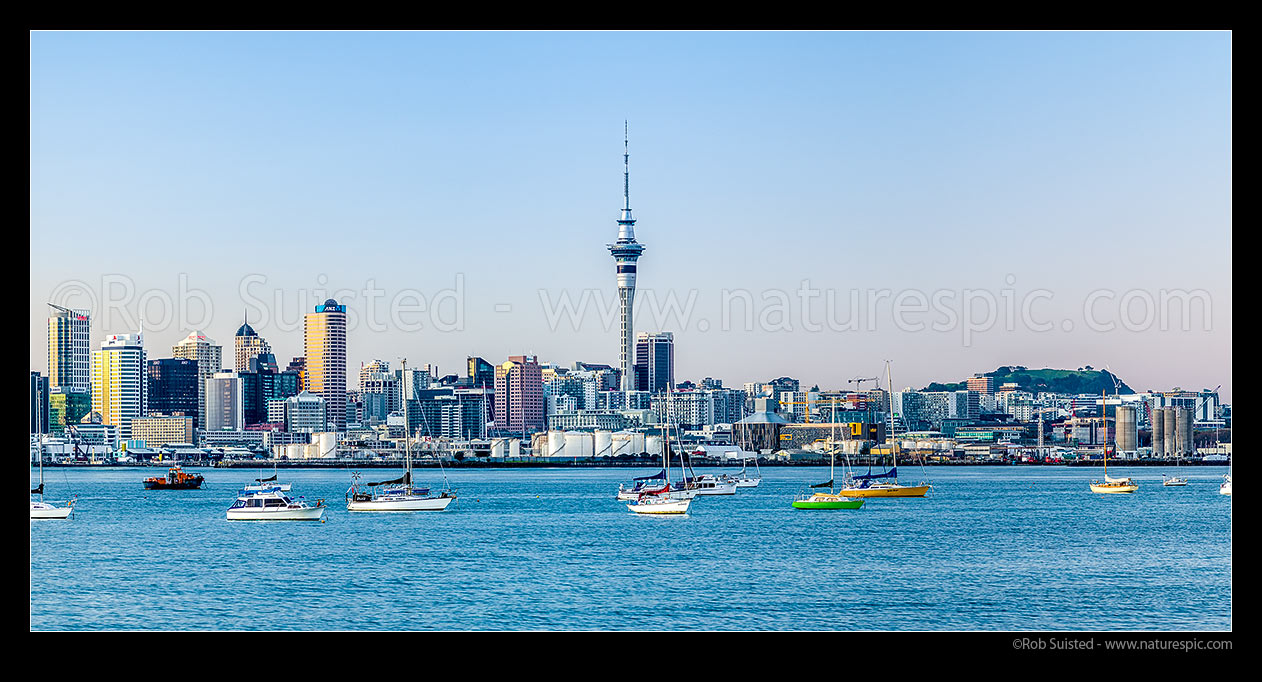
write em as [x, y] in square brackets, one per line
[887, 490]
[1114, 485]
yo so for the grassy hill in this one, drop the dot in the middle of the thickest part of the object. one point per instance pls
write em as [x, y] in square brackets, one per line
[1084, 380]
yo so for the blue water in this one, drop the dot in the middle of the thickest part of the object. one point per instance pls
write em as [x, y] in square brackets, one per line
[991, 548]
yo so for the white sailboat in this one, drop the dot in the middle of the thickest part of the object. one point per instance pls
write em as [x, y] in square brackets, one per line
[661, 501]
[399, 495]
[743, 479]
[1225, 488]
[39, 508]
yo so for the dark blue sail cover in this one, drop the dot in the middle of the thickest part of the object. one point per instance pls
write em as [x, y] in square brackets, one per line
[654, 477]
[892, 473]
[826, 484]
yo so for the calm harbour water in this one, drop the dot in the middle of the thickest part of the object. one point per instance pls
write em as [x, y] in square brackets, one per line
[991, 548]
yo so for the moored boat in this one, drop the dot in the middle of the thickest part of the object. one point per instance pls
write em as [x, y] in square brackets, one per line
[176, 479]
[272, 504]
[1225, 488]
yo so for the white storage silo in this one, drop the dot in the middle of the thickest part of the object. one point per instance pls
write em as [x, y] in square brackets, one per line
[622, 442]
[294, 451]
[327, 445]
[639, 444]
[498, 447]
[514, 447]
[602, 443]
[556, 443]
[578, 444]
[653, 445]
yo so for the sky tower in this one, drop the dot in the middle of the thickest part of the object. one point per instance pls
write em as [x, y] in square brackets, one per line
[626, 251]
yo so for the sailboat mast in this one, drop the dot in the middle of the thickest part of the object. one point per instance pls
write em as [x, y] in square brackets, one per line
[1104, 422]
[889, 375]
[407, 427]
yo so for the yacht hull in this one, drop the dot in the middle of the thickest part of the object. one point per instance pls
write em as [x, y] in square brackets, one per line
[1105, 489]
[827, 503]
[251, 514]
[405, 505]
[47, 511]
[891, 491]
[671, 507]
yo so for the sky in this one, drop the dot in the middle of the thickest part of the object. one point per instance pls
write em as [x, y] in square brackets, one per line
[813, 204]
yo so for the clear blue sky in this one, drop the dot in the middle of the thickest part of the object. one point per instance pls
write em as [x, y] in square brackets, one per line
[1069, 162]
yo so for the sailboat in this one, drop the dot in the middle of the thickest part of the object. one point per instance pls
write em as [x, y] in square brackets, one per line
[743, 479]
[39, 508]
[398, 495]
[884, 484]
[1110, 484]
[662, 501]
[830, 499]
[1225, 488]
[1173, 481]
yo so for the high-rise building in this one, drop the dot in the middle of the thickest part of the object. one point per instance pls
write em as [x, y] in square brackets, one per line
[306, 413]
[119, 388]
[982, 384]
[67, 409]
[654, 362]
[209, 356]
[481, 373]
[69, 352]
[626, 251]
[519, 395]
[299, 366]
[324, 347]
[174, 387]
[39, 403]
[225, 410]
[248, 345]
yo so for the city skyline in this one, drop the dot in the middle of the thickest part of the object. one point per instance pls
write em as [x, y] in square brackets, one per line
[512, 207]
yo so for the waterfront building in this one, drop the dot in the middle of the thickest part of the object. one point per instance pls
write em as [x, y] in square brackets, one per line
[156, 430]
[69, 350]
[324, 346]
[248, 346]
[119, 388]
[519, 395]
[654, 362]
[306, 413]
[174, 388]
[589, 420]
[209, 356]
[225, 410]
[67, 409]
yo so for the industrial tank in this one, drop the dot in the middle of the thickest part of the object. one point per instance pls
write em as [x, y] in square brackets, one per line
[603, 446]
[327, 445]
[514, 447]
[1127, 436]
[498, 447]
[622, 443]
[1182, 431]
[1169, 417]
[1158, 433]
[653, 445]
[556, 443]
[578, 444]
[639, 444]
